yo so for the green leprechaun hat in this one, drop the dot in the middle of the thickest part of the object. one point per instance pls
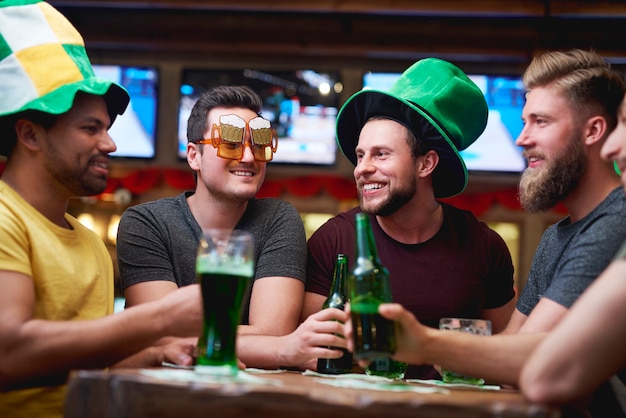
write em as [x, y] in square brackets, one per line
[438, 103]
[43, 64]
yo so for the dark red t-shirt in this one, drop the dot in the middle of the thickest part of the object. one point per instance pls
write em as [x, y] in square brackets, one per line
[465, 268]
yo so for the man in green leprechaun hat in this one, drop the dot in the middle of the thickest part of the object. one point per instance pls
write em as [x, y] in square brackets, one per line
[405, 144]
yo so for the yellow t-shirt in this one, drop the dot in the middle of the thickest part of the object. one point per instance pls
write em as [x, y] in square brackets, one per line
[72, 274]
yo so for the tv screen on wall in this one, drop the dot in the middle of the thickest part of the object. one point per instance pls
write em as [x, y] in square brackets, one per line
[300, 104]
[495, 149]
[134, 132]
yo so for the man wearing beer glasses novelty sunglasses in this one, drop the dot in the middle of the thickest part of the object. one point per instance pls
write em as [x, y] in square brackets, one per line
[229, 137]
[157, 241]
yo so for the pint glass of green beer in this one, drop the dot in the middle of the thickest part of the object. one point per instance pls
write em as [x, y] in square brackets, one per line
[224, 267]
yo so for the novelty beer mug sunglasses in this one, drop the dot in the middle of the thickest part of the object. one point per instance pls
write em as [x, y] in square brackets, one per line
[229, 137]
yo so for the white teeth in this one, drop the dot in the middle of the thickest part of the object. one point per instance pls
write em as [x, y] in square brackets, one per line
[372, 186]
[243, 173]
[101, 165]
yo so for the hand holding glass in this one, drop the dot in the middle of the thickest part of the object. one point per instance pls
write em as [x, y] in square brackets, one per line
[225, 267]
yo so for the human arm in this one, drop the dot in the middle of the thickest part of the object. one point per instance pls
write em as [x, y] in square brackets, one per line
[558, 372]
[542, 318]
[568, 260]
[172, 350]
[312, 303]
[37, 352]
[167, 349]
[275, 305]
[300, 348]
[156, 253]
[497, 358]
[277, 291]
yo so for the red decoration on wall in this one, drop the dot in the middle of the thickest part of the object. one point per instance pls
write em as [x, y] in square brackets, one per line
[179, 179]
[141, 181]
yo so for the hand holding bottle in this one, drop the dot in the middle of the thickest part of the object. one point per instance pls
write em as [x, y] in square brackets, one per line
[368, 286]
[337, 298]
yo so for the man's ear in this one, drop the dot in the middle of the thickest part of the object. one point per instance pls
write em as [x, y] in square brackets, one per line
[595, 130]
[193, 154]
[427, 163]
[29, 134]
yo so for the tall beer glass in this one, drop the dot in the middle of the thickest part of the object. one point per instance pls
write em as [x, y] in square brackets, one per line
[225, 267]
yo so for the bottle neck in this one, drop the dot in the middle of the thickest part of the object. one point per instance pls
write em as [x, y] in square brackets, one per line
[339, 275]
[365, 243]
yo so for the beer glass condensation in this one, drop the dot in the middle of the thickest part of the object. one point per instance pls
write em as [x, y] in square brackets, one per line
[224, 267]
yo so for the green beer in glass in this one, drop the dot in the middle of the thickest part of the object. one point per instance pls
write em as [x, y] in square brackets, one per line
[224, 267]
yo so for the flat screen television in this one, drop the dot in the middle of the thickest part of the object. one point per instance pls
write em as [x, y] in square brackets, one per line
[301, 105]
[495, 149]
[134, 132]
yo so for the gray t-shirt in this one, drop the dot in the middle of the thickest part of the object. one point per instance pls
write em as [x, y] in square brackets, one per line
[158, 241]
[571, 256]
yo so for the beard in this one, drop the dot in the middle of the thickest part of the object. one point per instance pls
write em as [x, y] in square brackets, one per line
[78, 180]
[394, 201]
[542, 189]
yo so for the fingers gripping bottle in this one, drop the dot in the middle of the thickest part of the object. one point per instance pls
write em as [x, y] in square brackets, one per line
[368, 287]
[337, 298]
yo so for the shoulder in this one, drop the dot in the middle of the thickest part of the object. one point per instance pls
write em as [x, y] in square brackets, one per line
[462, 219]
[340, 226]
[608, 217]
[158, 207]
[271, 203]
[343, 220]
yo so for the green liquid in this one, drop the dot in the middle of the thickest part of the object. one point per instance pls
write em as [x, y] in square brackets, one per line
[452, 377]
[386, 367]
[374, 336]
[222, 298]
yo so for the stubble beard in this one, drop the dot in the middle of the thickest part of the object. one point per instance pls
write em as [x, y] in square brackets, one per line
[542, 189]
[80, 182]
[390, 205]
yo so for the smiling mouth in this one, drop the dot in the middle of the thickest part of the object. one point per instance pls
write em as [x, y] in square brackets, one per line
[373, 186]
[243, 173]
[100, 165]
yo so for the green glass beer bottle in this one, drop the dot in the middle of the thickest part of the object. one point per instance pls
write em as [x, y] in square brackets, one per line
[368, 287]
[337, 298]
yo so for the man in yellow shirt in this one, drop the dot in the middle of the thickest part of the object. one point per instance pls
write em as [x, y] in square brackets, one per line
[56, 276]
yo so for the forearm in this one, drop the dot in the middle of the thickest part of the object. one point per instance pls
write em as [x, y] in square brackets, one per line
[559, 373]
[148, 357]
[497, 358]
[261, 351]
[48, 350]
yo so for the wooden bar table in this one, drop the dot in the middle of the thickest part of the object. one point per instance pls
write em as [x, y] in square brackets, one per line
[160, 392]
